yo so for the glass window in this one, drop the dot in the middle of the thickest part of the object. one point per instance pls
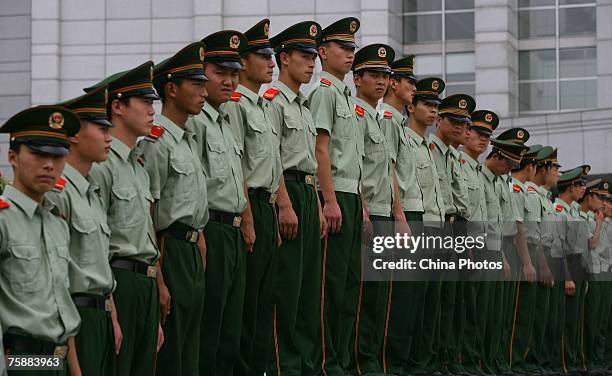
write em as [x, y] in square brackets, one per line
[460, 26]
[577, 62]
[428, 65]
[572, 2]
[536, 23]
[537, 65]
[460, 67]
[422, 28]
[452, 89]
[459, 4]
[578, 94]
[538, 96]
[535, 3]
[577, 21]
[422, 5]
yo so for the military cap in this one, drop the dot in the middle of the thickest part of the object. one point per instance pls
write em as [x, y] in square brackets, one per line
[531, 154]
[573, 176]
[374, 57]
[224, 48]
[258, 38]
[509, 150]
[136, 82]
[547, 156]
[516, 135]
[457, 107]
[302, 36]
[601, 188]
[342, 32]
[187, 63]
[43, 128]
[592, 187]
[403, 67]
[429, 89]
[484, 121]
[90, 106]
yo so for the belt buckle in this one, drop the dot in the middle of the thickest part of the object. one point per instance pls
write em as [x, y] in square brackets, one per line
[272, 198]
[309, 179]
[107, 305]
[237, 221]
[452, 218]
[151, 271]
[192, 236]
[60, 351]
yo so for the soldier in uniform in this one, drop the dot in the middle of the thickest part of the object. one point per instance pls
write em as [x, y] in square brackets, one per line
[605, 342]
[298, 309]
[180, 208]
[371, 76]
[572, 240]
[475, 143]
[257, 138]
[37, 314]
[124, 189]
[423, 113]
[79, 203]
[339, 151]
[453, 119]
[605, 252]
[227, 198]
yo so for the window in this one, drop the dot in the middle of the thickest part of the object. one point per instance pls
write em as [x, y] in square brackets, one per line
[553, 80]
[427, 21]
[556, 18]
[458, 71]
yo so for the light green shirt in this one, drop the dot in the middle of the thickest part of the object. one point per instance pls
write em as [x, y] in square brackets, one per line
[333, 111]
[493, 187]
[34, 259]
[176, 176]
[591, 257]
[80, 204]
[605, 245]
[477, 202]
[257, 138]
[377, 180]
[440, 153]
[572, 231]
[512, 204]
[539, 216]
[221, 160]
[427, 179]
[124, 188]
[289, 113]
[394, 130]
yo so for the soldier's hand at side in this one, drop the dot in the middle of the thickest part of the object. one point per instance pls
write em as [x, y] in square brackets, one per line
[203, 249]
[118, 333]
[547, 278]
[248, 233]
[322, 225]
[164, 301]
[506, 269]
[288, 222]
[333, 216]
[530, 273]
[160, 337]
[570, 288]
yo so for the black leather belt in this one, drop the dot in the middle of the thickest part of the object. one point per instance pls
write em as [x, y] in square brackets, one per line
[92, 301]
[184, 232]
[30, 345]
[454, 218]
[134, 266]
[381, 218]
[299, 176]
[263, 195]
[232, 219]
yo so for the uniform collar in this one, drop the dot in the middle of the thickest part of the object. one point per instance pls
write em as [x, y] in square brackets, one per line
[288, 93]
[441, 145]
[121, 149]
[76, 179]
[27, 205]
[416, 136]
[469, 160]
[519, 183]
[249, 94]
[336, 83]
[563, 204]
[397, 116]
[366, 106]
[455, 153]
[176, 131]
[575, 205]
[213, 114]
[488, 173]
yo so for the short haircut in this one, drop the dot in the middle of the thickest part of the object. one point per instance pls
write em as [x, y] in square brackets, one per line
[161, 90]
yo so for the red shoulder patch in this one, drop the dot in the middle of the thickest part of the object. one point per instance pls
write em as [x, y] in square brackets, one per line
[559, 208]
[517, 188]
[271, 93]
[60, 184]
[235, 96]
[432, 146]
[141, 161]
[387, 114]
[359, 111]
[4, 204]
[156, 131]
[462, 161]
[531, 189]
[326, 82]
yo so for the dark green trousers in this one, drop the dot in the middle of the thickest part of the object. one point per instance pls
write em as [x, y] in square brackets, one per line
[184, 277]
[258, 313]
[606, 314]
[495, 310]
[593, 317]
[476, 296]
[574, 317]
[406, 298]
[225, 284]
[95, 343]
[538, 355]
[552, 350]
[342, 271]
[137, 303]
[297, 291]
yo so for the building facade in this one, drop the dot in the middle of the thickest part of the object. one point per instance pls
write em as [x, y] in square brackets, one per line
[541, 64]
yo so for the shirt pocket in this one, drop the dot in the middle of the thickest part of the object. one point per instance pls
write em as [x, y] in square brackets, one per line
[125, 210]
[23, 268]
[85, 228]
[184, 179]
[344, 123]
[375, 146]
[256, 143]
[423, 170]
[63, 260]
[294, 137]
[217, 159]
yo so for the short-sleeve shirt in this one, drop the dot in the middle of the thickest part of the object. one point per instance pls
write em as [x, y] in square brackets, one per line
[127, 199]
[477, 202]
[333, 112]
[493, 187]
[80, 204]
[176, 176]
[34, 258]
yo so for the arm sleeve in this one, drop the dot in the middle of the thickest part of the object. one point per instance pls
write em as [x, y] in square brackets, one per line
[322, 107]
[156, 156]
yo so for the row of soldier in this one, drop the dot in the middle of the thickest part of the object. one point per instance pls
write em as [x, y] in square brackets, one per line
[223, 236]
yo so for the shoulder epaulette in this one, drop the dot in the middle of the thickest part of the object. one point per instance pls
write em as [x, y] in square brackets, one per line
[531, 189]
[325, 82]
[156, 131]
[387, 114]
[4, 204]
[270, 93]
[517, 188]
[432, 146]
[462, 161]
[235, 96]
[559, 208]
[359, 111]
[60, 184]
[140, 161]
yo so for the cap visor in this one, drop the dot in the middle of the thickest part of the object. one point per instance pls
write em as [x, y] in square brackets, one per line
[48, 149]
[150, 95]
[310, 50]
[229, 64]
[263, 51]
[462, 119]
[102, 122]
[345, 43]
[432, 101]
[199, 77]
[481, 130]
[375, 69]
